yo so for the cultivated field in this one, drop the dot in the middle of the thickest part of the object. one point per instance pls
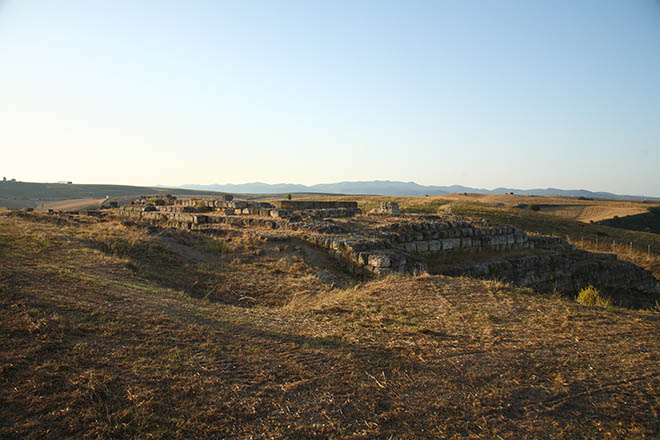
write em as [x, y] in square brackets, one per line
[112, 330]
[570, 208]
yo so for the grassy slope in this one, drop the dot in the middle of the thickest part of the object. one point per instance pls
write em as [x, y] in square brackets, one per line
[102, 338]
[55, 191]
[647, 222]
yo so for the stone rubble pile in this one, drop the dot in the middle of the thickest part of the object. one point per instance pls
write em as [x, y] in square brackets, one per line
[387, 208]
[285, 209]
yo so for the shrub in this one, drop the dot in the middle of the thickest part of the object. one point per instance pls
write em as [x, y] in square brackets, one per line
[590, 296]
[533, 207]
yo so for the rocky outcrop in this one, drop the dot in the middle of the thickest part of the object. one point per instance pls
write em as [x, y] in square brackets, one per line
[386, 208]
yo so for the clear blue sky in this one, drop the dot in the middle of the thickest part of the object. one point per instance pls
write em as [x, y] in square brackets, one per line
[480, 93]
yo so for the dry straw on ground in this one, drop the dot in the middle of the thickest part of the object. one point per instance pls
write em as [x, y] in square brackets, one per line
[98, 341]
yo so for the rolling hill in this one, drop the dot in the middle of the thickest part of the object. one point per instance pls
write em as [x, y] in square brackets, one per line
[33, 194]
[396, 188]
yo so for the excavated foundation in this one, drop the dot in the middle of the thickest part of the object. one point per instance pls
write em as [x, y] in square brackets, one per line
[379, 245]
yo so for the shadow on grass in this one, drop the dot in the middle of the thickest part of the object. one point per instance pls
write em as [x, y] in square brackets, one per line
[159, 265]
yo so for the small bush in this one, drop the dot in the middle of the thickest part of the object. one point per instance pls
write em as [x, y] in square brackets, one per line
[533, 207]
[590, 296]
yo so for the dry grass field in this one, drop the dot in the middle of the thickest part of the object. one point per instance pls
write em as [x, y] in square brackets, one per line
[593, 213]
[72, 204]
[570, 208]
[115, 330]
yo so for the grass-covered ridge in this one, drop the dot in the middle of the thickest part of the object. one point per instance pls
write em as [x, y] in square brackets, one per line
[646, 222]
[59, 191]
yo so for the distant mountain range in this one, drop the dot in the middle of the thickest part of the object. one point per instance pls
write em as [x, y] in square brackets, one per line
[395, 188]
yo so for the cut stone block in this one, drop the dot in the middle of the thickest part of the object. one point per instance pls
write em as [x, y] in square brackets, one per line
[422, 246]
[377, 260]
[435, 246]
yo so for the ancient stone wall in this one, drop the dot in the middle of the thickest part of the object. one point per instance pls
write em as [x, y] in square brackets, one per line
[386, 208]
[432, 236]
[411, 245]
[298, 205]
[567, 272]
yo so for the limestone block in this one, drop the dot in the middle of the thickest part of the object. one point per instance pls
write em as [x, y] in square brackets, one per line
[383, 271]
[379, 261]
[466, 243]
[422, 246]
[435, 246]
[410, 247]
[397, 260]
[449, 243]
[338, 245]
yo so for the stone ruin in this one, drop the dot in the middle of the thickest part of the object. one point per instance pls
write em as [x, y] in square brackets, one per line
[187, 212]
[388, 243]
[387, 208]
